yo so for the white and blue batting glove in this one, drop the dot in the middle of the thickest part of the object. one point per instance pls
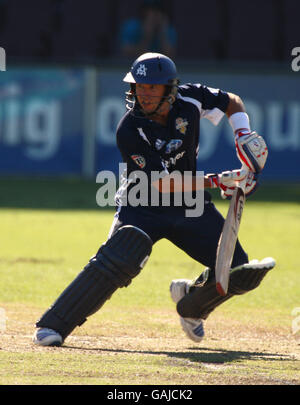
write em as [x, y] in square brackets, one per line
[251, 149]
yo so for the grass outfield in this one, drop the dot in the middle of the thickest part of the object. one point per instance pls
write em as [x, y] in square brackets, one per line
[49, 230]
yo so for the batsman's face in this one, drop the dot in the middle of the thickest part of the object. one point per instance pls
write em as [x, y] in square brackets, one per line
[149, 96]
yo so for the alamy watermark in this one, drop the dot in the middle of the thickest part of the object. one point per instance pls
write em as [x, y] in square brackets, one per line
[137, 189]
[296, 61]
[2, 60]
[2, 320]
[296, 321]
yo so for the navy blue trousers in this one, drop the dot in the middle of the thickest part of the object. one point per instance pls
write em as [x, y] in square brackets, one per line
[198, 237]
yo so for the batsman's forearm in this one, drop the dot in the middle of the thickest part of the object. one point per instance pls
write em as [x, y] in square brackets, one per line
[181, 183]
[235, 105]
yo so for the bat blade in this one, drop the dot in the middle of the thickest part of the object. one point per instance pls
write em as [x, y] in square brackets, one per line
[228, 239]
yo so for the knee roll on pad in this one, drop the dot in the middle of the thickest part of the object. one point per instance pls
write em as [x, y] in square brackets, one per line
[116, 263]
[203, 299]
[123, 256]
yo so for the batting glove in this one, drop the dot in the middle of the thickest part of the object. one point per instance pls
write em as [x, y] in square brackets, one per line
[251, 149]
[226, 181]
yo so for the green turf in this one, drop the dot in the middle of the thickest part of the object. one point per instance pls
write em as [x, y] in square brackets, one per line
[75, 193]
[48, 246]
[50, 229]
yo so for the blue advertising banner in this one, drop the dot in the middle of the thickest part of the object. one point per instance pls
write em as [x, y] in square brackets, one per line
[41, 114]
[272, 102]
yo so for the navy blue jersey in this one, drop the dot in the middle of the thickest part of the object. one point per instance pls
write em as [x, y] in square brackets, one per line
[149, 146]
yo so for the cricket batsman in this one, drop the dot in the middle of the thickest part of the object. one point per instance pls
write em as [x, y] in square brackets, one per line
[160, 133]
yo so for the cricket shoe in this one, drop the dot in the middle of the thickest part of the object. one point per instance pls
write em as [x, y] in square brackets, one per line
[192, 327]
[47, 337]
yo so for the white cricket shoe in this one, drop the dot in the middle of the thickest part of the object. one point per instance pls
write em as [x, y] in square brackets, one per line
[47, 337]
[192, 327]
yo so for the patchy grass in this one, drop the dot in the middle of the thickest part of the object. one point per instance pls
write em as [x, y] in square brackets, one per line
[136, 339]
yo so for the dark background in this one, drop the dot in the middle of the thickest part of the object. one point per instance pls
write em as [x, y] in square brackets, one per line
[252, 38]
[86, 31]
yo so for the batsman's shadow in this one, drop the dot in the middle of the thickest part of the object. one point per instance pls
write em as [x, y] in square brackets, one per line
[200, 354]
[222, 356]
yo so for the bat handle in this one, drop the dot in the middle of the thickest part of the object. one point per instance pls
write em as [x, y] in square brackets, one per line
[242, 183]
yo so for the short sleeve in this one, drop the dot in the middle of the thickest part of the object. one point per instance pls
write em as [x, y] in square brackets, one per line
[211, 102]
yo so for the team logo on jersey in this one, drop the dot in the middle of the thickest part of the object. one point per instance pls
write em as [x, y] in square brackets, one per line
[173, 145]
[159, 144]
[141, 70]
[139, 160]
[181, 124]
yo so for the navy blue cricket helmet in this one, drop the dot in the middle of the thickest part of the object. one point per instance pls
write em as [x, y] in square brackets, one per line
[152, 68]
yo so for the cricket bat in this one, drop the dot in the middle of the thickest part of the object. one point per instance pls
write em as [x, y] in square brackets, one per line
[229, 237]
